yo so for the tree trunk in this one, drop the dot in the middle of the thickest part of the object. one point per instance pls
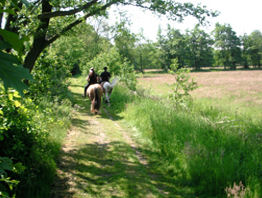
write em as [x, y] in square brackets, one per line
[38, 46]
[141, 63]
[233, 66]
[246, 66]
[39, 42]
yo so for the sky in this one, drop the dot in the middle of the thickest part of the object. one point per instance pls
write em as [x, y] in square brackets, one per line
[243, 16]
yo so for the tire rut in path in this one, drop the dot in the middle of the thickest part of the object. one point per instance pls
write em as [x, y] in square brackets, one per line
[139, 155]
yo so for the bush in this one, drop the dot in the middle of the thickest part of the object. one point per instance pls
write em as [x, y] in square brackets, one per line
[6, 183]
[28, 138]
[20, 139]
[51, 79]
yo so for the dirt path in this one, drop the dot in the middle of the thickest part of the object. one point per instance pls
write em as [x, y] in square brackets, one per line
[100, 159]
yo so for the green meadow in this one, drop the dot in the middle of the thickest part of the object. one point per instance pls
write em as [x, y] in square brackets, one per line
[212, 145]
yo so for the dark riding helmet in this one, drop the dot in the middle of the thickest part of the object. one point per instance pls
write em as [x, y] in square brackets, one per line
[105, 68]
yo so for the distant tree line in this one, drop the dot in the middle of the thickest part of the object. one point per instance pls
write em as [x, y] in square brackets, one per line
[195, 49]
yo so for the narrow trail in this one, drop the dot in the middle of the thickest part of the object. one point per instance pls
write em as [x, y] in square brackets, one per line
[99, 158]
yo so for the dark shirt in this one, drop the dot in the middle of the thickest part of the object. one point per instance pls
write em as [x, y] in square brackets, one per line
[105, 76]
[92, 78]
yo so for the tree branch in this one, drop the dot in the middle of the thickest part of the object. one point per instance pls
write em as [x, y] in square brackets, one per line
[76, 22]
[137, 5]
[68, 12]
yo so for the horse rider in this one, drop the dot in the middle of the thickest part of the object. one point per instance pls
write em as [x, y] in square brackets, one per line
[105, 75]
[91, 79]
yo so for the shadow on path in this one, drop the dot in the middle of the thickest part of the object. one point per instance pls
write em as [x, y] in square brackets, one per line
[108, 168]
[112, 170]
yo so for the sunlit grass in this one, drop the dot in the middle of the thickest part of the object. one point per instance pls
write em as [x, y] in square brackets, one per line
[238, 91]
[249, 110]
[208, 146]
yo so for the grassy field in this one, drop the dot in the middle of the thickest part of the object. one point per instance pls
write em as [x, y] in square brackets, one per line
[233, 90]
[209, 146]
[244, 86]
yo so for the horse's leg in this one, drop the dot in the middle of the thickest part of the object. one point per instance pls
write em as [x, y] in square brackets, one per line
[91, 95]
[107, 96]
[109, 93]
[98, 94]
[93, 106]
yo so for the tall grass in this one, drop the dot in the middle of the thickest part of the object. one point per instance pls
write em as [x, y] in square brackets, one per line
[230, 106]
[206, 146]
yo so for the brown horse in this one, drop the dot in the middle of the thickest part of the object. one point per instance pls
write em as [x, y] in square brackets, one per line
[95, 92]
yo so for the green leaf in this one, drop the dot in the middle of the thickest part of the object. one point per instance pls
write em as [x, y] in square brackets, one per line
[5, 164]
[12, 39]
[4, 45]
[12, 74]
[8, 58]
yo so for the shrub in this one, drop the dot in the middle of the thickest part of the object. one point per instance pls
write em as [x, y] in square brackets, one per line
[28, 138]
[19, 136]
[6, 183]
[182, 87]
[51, 79]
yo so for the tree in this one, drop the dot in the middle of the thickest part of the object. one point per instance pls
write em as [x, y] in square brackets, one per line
[199, 46]
[125, 42]
[255, 48]
[227, 45]
[43, 22]
[148, 55]
[173, 47]
[245, 50]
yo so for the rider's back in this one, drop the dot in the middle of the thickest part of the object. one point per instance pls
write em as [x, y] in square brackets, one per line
[105, 76]
[92, 77]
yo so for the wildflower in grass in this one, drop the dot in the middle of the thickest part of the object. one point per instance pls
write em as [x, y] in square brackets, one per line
[237, 191]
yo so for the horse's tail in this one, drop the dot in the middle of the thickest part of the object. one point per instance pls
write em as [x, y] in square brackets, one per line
[114, 82]
[97, 100]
